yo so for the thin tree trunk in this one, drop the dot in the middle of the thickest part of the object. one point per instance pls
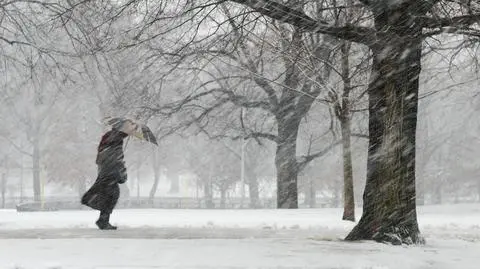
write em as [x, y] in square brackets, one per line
[437, 194]
[389, 210]
[207, 191]
[312, 194]
[242, 168]
[139, 166]
[197, 196]
[253, 191]
[5, 176]
[174, 181]
[35, 136]
[337, 190]
[22, 191]
[4, 188]
[478, 189]
[223, 197]
[207, 188]
[36, 169]
[22, 188]
[345, 122]
[348, 192]
[156, 176]
[82, 186]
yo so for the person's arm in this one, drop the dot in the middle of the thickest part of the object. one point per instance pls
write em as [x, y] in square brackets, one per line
[122, 174]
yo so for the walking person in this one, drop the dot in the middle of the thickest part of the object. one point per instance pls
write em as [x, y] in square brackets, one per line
[104, 193]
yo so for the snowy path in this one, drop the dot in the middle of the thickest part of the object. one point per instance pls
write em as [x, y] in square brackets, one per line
[232, 253]
[156, 233]
[150, 239]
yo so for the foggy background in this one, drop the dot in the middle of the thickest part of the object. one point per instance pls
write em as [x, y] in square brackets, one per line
[55, 95]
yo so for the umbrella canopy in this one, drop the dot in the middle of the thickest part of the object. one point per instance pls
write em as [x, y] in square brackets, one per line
[132, 128]
[143, 132]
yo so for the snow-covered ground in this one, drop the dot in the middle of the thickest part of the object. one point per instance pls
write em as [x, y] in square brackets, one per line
[307, 238]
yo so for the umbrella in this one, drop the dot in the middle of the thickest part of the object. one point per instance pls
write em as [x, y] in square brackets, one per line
[132, 128]
[143, 132]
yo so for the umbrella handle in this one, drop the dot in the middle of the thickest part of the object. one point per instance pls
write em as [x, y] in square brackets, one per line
[126, 144]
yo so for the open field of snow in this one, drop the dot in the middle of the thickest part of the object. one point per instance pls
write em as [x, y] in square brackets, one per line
[307, 238]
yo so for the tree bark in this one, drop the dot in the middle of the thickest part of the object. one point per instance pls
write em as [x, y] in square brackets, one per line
[348, 191]
[389, 210]
[289, 112]
[390, 194]
[420, 191]
[286, 164]
[345, 122]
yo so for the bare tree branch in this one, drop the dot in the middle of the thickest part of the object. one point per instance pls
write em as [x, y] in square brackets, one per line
[17, 147]
[268, 136]
[360, 135]
[304, 160]
[14, 42]
[283, 13]
[454, 23]
[260, 81]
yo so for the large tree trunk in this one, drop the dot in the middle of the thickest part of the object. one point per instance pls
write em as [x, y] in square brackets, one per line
[286, 163]
[389, 210]
[289, 113]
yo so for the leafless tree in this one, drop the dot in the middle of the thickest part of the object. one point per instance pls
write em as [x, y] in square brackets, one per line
[286, 94]
[395, 39]
[394, 32]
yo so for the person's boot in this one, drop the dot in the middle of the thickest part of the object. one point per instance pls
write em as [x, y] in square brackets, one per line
[103, 222]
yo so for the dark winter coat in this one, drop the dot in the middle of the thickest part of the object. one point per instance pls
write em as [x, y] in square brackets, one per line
[104, 193]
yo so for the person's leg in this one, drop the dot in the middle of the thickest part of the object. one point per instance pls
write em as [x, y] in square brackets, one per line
[112, 192]
[103, 221]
